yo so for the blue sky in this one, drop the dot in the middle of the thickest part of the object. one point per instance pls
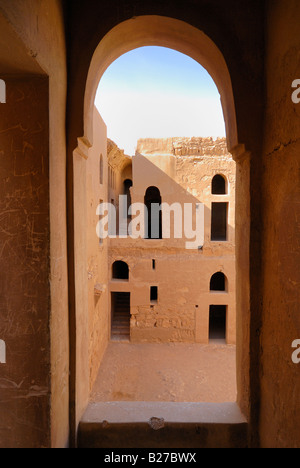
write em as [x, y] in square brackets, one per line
[154, 92]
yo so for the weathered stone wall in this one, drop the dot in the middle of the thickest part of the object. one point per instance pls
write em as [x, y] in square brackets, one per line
[267, 380]
[195, 146]
[36, 411]
[280, 382]
[25, 264]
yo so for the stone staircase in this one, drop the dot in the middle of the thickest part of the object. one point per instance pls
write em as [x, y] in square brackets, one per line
[120, 327]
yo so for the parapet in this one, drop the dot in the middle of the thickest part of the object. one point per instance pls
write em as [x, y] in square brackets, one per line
[195, 146]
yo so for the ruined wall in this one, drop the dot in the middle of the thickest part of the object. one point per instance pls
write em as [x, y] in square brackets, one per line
[183, 172]
[280, 383]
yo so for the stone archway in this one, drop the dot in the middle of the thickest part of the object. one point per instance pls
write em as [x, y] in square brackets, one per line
[180, 36]
[164, 32]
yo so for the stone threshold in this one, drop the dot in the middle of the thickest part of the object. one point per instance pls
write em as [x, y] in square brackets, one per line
[161, 425]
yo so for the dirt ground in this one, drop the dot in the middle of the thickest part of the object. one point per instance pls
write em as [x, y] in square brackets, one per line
[167, 372]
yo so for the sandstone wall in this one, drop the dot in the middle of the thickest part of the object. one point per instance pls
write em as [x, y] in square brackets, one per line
[182, 276]
[238, 31]
[280, 383]
[97, 253]
[33, 43]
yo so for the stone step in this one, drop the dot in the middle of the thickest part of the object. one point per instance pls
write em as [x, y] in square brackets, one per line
[120, 336]
[162, 424]
[124, 318]
[120, 329]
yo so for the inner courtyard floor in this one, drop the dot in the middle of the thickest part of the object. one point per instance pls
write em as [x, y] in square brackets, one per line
[167, 372]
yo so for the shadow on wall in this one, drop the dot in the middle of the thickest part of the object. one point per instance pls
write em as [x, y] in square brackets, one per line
[172, 192]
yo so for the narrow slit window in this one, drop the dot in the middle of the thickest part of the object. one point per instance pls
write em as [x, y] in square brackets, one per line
[100, 218]
[101, 169]
[154, 294]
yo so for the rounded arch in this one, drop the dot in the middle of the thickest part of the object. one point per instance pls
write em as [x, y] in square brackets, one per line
[127, 184]
[153, 194]
[166, 32]
[152, 201]
[218, 282]
[120, 270]
[219, 185]
[126, 172]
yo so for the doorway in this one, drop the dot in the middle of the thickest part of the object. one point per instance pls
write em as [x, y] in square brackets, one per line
[120, 316]
[196, 45]
[217, 323]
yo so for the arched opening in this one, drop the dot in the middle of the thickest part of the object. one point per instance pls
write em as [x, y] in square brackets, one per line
[120, 271]
[219, 185]
[153, 221]
[164, 32]
[127, 184]
[218, 282]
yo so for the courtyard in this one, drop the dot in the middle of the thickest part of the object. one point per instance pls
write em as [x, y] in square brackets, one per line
[167, 373]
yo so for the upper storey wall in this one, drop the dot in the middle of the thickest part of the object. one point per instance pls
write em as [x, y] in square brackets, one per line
[195, 146]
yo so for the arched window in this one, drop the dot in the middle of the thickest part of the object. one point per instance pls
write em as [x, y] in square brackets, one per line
[126, 190]
[120, 270]
[153, 222]
[101, 169]
[218, 282]
[219, 185]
